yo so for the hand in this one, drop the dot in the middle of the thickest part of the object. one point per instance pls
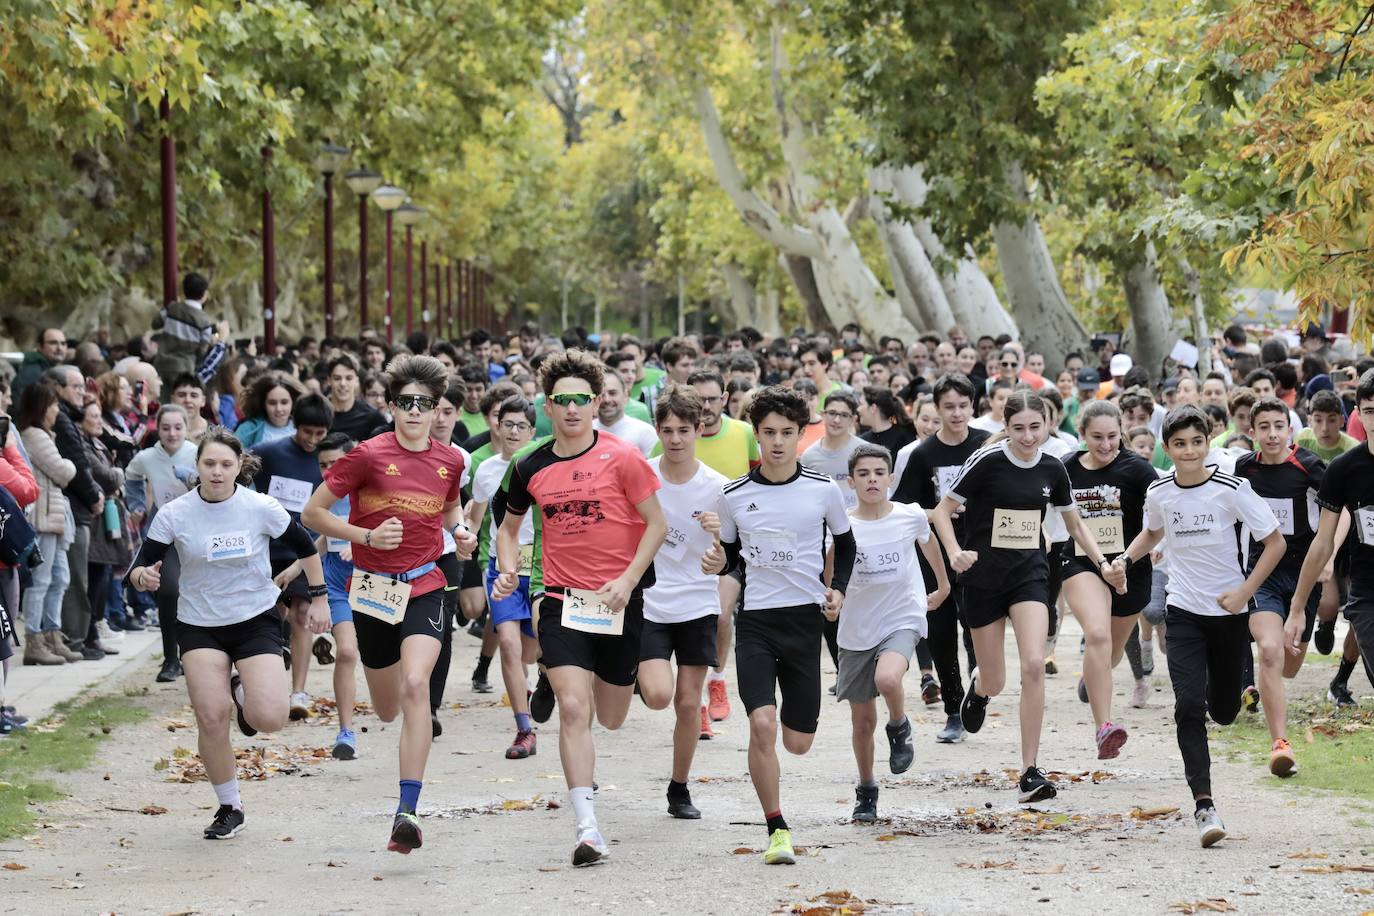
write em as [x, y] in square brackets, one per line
[1115, 575]
[1292, 631]
[387, 535]
[1327, 572]
[936, 598]
[346, 553]
[98, 506]
[963, 561]
[1156, 556]
[710, 522]
[149, 578]
[465, 541]
[1234, 602]
[834, 601]
[615, 594]
[713, 561]
[288, 575]
[505, 585]
[317, 619]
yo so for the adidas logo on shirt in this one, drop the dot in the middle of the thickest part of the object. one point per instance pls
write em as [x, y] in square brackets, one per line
[751, 508]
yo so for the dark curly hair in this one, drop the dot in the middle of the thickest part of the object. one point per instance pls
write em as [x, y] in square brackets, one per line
[571, 364]
[782, 401]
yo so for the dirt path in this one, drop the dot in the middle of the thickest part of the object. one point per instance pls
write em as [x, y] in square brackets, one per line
[952, 838]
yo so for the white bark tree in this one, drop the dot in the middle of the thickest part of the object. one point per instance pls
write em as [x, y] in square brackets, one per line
[743, 298]
[914, 278]
[1152, 320]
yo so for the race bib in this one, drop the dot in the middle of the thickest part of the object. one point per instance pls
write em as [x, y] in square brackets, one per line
[379, 597]
[165, 492]
[674, 538]
[1364, 519]
[944, 480]
[233, 545]
[582, 611]
[1108, 532]
[526, 566]
[1195, 528]
[336, 545]
[880, 564]
[772, 549]
[1016, 529]
[1283, 512]
[291, 493]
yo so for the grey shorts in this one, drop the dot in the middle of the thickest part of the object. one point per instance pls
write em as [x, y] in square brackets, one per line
[858, 667]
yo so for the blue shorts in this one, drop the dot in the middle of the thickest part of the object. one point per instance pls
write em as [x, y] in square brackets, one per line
[1276, 594]
[514, 607]
[337, 572]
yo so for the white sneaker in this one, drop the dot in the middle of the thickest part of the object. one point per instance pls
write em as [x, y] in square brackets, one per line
[590, 849]
[300, 705]
[1140, 696]
[108, 633]
[1209, 827]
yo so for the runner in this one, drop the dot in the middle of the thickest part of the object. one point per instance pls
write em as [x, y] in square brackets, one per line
[1004, 490]
[601, 527]
[884, 616]
[680, 609]
[1109, 485]
[1197, 510]
[1288, 478]
[226, 608]
[403, 491]
[777, 517]
[931, 469]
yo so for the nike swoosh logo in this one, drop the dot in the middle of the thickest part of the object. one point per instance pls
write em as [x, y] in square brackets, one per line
[435, 623]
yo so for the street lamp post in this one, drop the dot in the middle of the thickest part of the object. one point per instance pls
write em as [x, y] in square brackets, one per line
[329, 160]
[362, 182]
[448, 297]
[408, 214]
[269, 261]
[389, 198]
[168, 149]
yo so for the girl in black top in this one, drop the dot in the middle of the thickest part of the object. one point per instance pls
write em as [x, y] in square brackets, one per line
[1004, 490]
[885, 419]
[1109, 485]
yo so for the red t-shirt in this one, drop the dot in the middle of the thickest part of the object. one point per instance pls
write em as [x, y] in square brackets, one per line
[591, 528]
[1354, 427]
[382, 479]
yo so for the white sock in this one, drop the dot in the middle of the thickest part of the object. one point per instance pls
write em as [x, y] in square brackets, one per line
[714, 675]
[228, 793]
[584, 814]
[1147, 642]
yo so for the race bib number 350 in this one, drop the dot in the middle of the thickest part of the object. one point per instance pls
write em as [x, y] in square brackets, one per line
[1016, 529]
[880, 563]
[379, 597]
[582, 611]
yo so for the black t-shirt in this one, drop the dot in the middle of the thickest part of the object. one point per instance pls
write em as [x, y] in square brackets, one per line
[1004, 507]
[931, 470]
[1349, 484]
[357, 422]
[1290, 488]
[894, 438]
[1111, 500]
[289, 474]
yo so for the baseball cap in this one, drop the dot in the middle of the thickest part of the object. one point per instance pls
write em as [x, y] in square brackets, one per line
[1314, 329]
[1121, 364]
[1088, 379]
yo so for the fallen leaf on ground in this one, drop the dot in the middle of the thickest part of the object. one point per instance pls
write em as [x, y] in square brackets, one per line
[1210, 905]
[376, 877]
[743, 851]
[152, 809]
[550, 868]
[1309, 854]
[13, 866]
[184, 913]
[1144, 814]
[69, 886]
[126, 843]
[175, 724]
[284, 839]
[988, 863]
[1335, 869]
[1056, 869]
[1362, 891]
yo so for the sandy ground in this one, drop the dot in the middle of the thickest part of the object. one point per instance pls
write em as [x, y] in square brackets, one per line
[952, 838]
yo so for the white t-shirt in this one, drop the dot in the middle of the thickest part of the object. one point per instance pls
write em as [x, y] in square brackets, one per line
[681, 591]
[1202, 530]
[451, 546]
[902, 458]
[1059, 445]
[484, 488]
[781, 528]
[640, 434]
[987, 423]
[226, 575]
[887, 591]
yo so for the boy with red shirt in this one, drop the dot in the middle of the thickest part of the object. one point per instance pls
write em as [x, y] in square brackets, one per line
[601, 527]
[401, 489]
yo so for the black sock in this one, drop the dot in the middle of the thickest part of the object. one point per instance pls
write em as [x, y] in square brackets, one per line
[1344, 671]
[776, 822]
[483, 664]
[678, 790]
[1204, 803]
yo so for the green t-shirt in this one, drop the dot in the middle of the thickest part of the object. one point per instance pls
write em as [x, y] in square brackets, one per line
[1308, 440]
[483, 532]
[475, 423]
[537, 559]
[652, 382]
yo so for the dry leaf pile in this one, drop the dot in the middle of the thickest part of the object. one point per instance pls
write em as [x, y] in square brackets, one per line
[254, 763]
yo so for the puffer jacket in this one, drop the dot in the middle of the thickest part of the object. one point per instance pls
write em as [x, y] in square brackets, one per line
[107, 548]
[49, 512]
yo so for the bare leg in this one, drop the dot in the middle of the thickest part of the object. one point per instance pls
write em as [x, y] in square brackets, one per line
[345, 671]
[687, 727]
[1030, 619]
[1267, 629]
[863, 718]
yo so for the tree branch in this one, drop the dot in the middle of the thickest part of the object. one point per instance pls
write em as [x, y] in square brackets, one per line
[1345, 52]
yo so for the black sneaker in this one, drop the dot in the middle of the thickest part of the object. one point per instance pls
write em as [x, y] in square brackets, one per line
[900, 753]
[975, 708]
[435, 726]
[865, 804]
[930, 690]
[323, 650]
[90, 653]
[542, 700]
[1339, 694]
[1035, 786]
[1324, 637]
[953, 732]
[680, 806]
[171, 670]
[480, 684]
[235, 688]
[228, 823]
[131, 625]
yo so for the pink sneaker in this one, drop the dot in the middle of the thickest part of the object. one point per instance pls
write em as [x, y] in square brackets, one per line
[1110, 738]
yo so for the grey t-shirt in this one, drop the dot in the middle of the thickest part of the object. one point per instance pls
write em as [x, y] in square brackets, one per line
[834, 464]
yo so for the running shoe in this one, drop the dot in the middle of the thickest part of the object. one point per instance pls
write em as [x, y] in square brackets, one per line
[1035, 786]
[1210, 829]
[323, 650]
[900, 753]
[1140, 695]
[865, 804]
[975, 708]
[1050, 666]
[13, 715]
[1147, 657]
[405, 833]
[480, 684]
[1250, 698]
[681, 806]
[1110, 738]
[1083, 690]
[1324, 637]
[930, 690]
[780, 849]
[591, 848]
[542, 700]
[1281, 760]
[522, 747]
[171, 670]
[236, 691]
[718, 700]
[707, 733]
[953, 732]
[1340, 695]
[300, 706]
[345, 745]
[228, 823]
[436, 728]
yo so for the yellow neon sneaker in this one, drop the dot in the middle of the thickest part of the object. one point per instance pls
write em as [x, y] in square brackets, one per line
[780, 849]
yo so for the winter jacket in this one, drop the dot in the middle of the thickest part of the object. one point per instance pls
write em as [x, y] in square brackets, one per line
[16, 476]
[30, 371]
[250, 431]
[106, 548]
[82, 492]
[183, 335]
[48, 514]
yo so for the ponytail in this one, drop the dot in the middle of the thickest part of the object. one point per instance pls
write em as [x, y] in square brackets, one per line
[1020, 400]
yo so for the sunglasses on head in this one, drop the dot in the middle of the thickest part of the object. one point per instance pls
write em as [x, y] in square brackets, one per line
[420, 402]
[568, 398]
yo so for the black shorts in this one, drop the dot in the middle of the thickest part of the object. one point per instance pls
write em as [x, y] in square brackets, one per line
[379, 643]
[781, 646]
[984, 606]
[693, 642]
[614, 659]
[473, 575]
[260, 635]
[296, 588]
[1138, 583]
[1275, 594]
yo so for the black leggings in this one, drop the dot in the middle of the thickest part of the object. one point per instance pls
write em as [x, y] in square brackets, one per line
[1206, 656]
[166, 598]
[942, 639]
[439, 676]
